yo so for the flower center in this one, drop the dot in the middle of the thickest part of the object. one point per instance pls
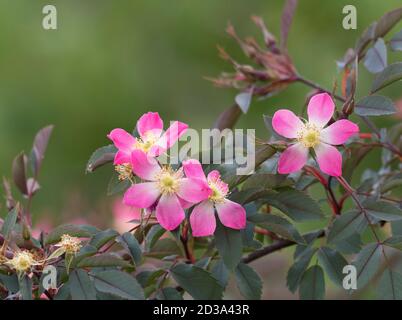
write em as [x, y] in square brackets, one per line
[219, 189]
[70, 244]
[22, 261]
[146, 143]
[309, 136]
[169, 180]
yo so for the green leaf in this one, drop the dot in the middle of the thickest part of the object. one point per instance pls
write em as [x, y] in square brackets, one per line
[367, 264]
[267, 181]
[229, 244]
[153, 236]
[128, 241]
[199, 283]
[277, 225]
[100, 157]
[163, 248]
[376, 57]
[394, 242]
[63, 293]
[296, 204]
[375, 106]
[333, 263]
[220, 273]
[296, 271]
[80, 231]
[248, 282]
[104, 260]
[103, 237]
[169, 293]
[387, 22]
[396, 42]
[85, 251]
[149, 277]
[9, 222]
[25, 284]
[10, 282]
[81, 286]
[312, 284]
[243, 100]
[382, 210]
[118, 283]
[346, 225]
[19, 173]
[389, 75]
[390, 286]
[116, 185]
[349, 245]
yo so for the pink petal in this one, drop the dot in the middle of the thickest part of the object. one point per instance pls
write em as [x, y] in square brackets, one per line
[122, 157]
[169, 212]
[231, 214]
[185, 204]
[142, 195]
[150, 122]
[339, 132]
[202, 219]
[320, 109]
[292, 159]
[144, 166]
[214, 175]
[122, 139]
[193, 190]
[169, 138]
[193, 169]
[286, 123]
[329, 159]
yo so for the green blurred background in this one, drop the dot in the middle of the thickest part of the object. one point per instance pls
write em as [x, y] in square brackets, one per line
[110, 61]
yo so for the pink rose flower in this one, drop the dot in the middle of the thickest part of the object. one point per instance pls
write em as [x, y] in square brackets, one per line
[313, 134]
[167, 190]
[152, 139]
[202, 219]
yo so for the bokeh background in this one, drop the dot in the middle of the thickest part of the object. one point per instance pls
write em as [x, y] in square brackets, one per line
[110, 61]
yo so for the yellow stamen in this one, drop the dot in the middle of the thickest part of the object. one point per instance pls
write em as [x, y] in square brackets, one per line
[22, 261]
[124, 170]
[169, 180]
[71, 245]
[309, 136]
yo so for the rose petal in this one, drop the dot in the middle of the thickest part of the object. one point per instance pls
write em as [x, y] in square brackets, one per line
[144, 166]
[193, 169]
[142, 195]
[339, 132]
[292, 159]
[169, 212]
[193, 190]
[329, 159]
[202, 219]
[286, 123]
[231, 214]
[150, 123]
[169, 138]
[320, 109]
[122, 139]
[122, 157]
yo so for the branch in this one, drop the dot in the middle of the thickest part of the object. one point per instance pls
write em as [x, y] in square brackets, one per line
[276, 246]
